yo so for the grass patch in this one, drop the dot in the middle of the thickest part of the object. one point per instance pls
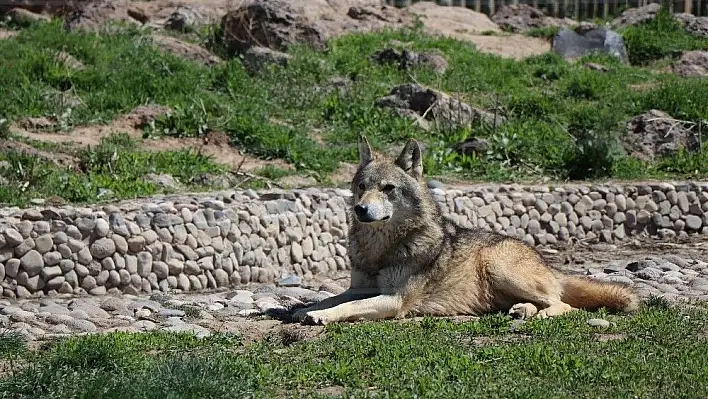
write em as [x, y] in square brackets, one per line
[659, 38]
[658, 352]
[546, 32]
[113, 169]
[564, 121]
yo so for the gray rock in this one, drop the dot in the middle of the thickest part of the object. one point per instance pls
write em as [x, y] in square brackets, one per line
[120, 243]
[32, 262]
[290, 281]
[572, 45]
[693, 222]
[88, 283]
[43, 243]
[22, 316]
[198, 331]
[171, 313]
[103, 248]
[52, 258]
[221, 277]
[12, 237]
[136, 244]
[144, 264]
[624, 280]
[102, 228]
[81, 325]
[12, 267]
[26, 245]
[161, 269]
[600, 323]
[423, 105]
[49, 273]
[256, 58]
[638, 265]
[649, 273]
[666, 266]
[296, 252]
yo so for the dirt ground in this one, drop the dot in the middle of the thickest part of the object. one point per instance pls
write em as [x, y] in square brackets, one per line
[215, 144]
[582, 256]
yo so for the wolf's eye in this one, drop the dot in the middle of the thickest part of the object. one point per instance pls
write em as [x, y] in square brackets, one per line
[361, 186]
[388, 188]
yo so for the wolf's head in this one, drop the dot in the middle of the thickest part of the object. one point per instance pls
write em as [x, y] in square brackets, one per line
[389, 191]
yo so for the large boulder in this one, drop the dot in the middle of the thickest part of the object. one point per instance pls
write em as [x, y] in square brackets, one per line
[656, 134]
[256, 58]
[47, 7]
[273, 24]
[94, 15]
[183, 49]
[188, 17]
[451, 21]
[468, 25]
[406, 59]
[636, 16]
[571, 45]
[692, 24]
[426, 105]
[25, 17]
[278, 24]
[692, 64]
[472, 146]
[520, 18]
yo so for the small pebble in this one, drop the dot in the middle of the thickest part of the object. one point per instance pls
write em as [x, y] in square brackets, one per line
[600, 323]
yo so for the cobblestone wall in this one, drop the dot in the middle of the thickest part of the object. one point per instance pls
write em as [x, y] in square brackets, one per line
[202, 241]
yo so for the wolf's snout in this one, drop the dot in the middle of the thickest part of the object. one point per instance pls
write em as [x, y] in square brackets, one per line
[368, 214]
[362, 213]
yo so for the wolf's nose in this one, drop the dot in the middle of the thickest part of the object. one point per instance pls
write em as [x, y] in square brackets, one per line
[361, 211]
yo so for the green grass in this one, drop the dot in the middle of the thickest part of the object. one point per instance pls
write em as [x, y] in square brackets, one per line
[546, 32]
[658, 353]
[658, 39]
[113, 169]
[564, 121]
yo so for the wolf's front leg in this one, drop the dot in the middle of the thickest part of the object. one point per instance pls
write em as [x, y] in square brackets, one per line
[375, 308]
[349, 295]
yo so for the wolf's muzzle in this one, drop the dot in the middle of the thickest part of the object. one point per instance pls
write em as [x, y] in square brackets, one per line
[366, 214]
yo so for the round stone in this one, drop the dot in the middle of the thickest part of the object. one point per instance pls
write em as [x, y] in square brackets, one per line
[13, 237]
[102, 248]
[600, 323]
[32, 262]
[102, 228]
[693, 222]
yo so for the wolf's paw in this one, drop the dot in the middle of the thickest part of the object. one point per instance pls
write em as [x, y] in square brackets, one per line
[316, 317]
[299, 315]
[523, 311]
[554, 310]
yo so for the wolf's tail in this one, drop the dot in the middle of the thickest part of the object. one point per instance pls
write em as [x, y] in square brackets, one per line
[588, 294]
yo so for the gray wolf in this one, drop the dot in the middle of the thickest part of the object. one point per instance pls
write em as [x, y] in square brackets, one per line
[407, 259]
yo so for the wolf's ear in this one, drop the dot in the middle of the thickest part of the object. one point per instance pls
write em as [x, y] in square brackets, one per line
[364, 150]
[411, 159]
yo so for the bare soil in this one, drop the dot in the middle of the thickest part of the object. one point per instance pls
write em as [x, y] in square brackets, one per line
[6, 34]
[59, 159]
[214, 144]
[581, 256]
[468, 25]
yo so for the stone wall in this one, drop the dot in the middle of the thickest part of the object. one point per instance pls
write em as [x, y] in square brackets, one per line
[203, 241]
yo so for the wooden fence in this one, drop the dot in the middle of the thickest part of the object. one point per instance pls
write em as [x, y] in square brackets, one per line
[581, 10]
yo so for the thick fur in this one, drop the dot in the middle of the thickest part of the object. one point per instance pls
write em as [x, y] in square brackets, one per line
[407, 259]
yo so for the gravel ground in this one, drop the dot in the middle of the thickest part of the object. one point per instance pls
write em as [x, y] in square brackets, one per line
[677, 272]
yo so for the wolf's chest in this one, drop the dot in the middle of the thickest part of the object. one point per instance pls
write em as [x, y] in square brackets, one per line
[392, 277]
